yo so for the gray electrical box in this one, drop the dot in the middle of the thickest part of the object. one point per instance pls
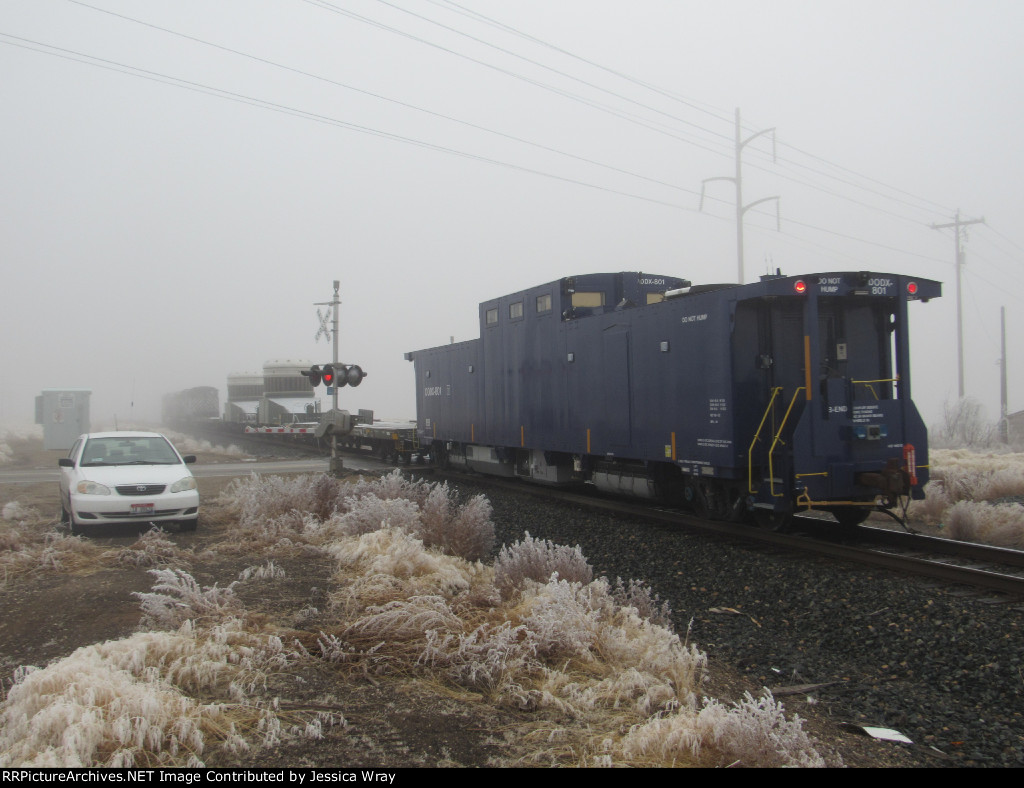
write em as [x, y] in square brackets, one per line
[64, 414]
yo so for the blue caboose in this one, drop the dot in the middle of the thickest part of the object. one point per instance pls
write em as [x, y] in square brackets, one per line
[786, 394]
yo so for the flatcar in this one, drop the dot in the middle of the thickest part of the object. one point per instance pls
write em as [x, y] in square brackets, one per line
[758, 400]
[389, 441]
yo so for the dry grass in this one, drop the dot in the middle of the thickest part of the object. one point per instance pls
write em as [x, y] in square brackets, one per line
[137, 701]
[604, 679]
[975, 496]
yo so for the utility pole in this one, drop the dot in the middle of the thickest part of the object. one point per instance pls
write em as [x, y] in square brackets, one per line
[1004, 425]
[959, 231]
[741, 209]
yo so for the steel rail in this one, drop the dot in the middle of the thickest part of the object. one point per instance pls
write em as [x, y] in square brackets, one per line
[948, 573]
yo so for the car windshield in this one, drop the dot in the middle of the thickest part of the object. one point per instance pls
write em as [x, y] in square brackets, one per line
[153, 450]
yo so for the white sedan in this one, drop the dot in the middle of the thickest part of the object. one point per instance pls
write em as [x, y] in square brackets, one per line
[127, 477]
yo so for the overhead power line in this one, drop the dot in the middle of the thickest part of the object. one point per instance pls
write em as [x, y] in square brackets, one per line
[86, 59]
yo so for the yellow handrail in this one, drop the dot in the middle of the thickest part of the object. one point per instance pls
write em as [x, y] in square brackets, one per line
[757, 436]
[871, 388]
[778, 439]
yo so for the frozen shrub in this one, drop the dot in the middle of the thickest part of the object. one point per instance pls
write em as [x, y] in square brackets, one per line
[641, 665]
[313, 511]
[975, 479]
[370, 513]
[389, 563]
[405, 619]
[465, 531]
[123, 703]
[393, 485]
[153, 548]
[26, 549]
[82, 711]
[536, 560]
[176, 597]
[490, 658]
[1001, 525]
[563, 618]
[325, 493]
[638, 595]
[751, 732]
[267, 571]
[15, 511]
[932, 509]
[258, 498]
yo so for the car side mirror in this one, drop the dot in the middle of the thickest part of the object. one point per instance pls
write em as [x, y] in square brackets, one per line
[66, 462]
[188, 459]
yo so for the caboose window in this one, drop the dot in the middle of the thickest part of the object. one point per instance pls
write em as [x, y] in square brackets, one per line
[544, 303]
[584, 298]
[515, 310]
[492, 317]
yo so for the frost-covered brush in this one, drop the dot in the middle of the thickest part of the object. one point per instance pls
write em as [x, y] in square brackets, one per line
[753, 732]
[256, 498]
[177, 597]
[292, 533]
[576, 647]
[1001, 524]
[390, 564]
[370, 513]
[14, 511]
[128, 702]
[152, 548]
[979, 475]
[24, 550]
[532, 653]
[537, 560]
[599, 654]
[466, 531]
[392, 485]
[267, 571]
[639, 595]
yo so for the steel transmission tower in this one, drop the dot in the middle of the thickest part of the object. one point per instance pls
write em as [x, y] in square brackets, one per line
[737, 179]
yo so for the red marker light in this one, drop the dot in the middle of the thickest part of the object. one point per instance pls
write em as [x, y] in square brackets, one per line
[800, 286]
[912, 288]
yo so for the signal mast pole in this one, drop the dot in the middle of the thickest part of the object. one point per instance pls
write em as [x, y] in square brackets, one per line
[324, 331]
[958, 225]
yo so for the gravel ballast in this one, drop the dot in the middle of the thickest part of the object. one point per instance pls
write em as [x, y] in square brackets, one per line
[943, 666]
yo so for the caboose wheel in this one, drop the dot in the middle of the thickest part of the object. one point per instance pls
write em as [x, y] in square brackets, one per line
[773, 521]
[850, 516]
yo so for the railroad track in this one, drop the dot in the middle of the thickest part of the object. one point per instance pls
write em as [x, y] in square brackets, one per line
[994, 569]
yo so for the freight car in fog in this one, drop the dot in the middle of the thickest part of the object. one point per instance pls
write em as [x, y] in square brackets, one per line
[756, 400]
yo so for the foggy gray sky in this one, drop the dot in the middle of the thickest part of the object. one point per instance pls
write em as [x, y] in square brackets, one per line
[181, 181]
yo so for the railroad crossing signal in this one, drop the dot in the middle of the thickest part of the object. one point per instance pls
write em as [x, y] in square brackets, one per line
[354, 375]
[351, 375]
[314, 375]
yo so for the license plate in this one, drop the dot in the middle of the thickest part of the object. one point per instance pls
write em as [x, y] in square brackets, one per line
[142, 508]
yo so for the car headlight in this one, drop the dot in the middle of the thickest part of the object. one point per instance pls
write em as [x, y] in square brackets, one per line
[188, 483]
[93, 488]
